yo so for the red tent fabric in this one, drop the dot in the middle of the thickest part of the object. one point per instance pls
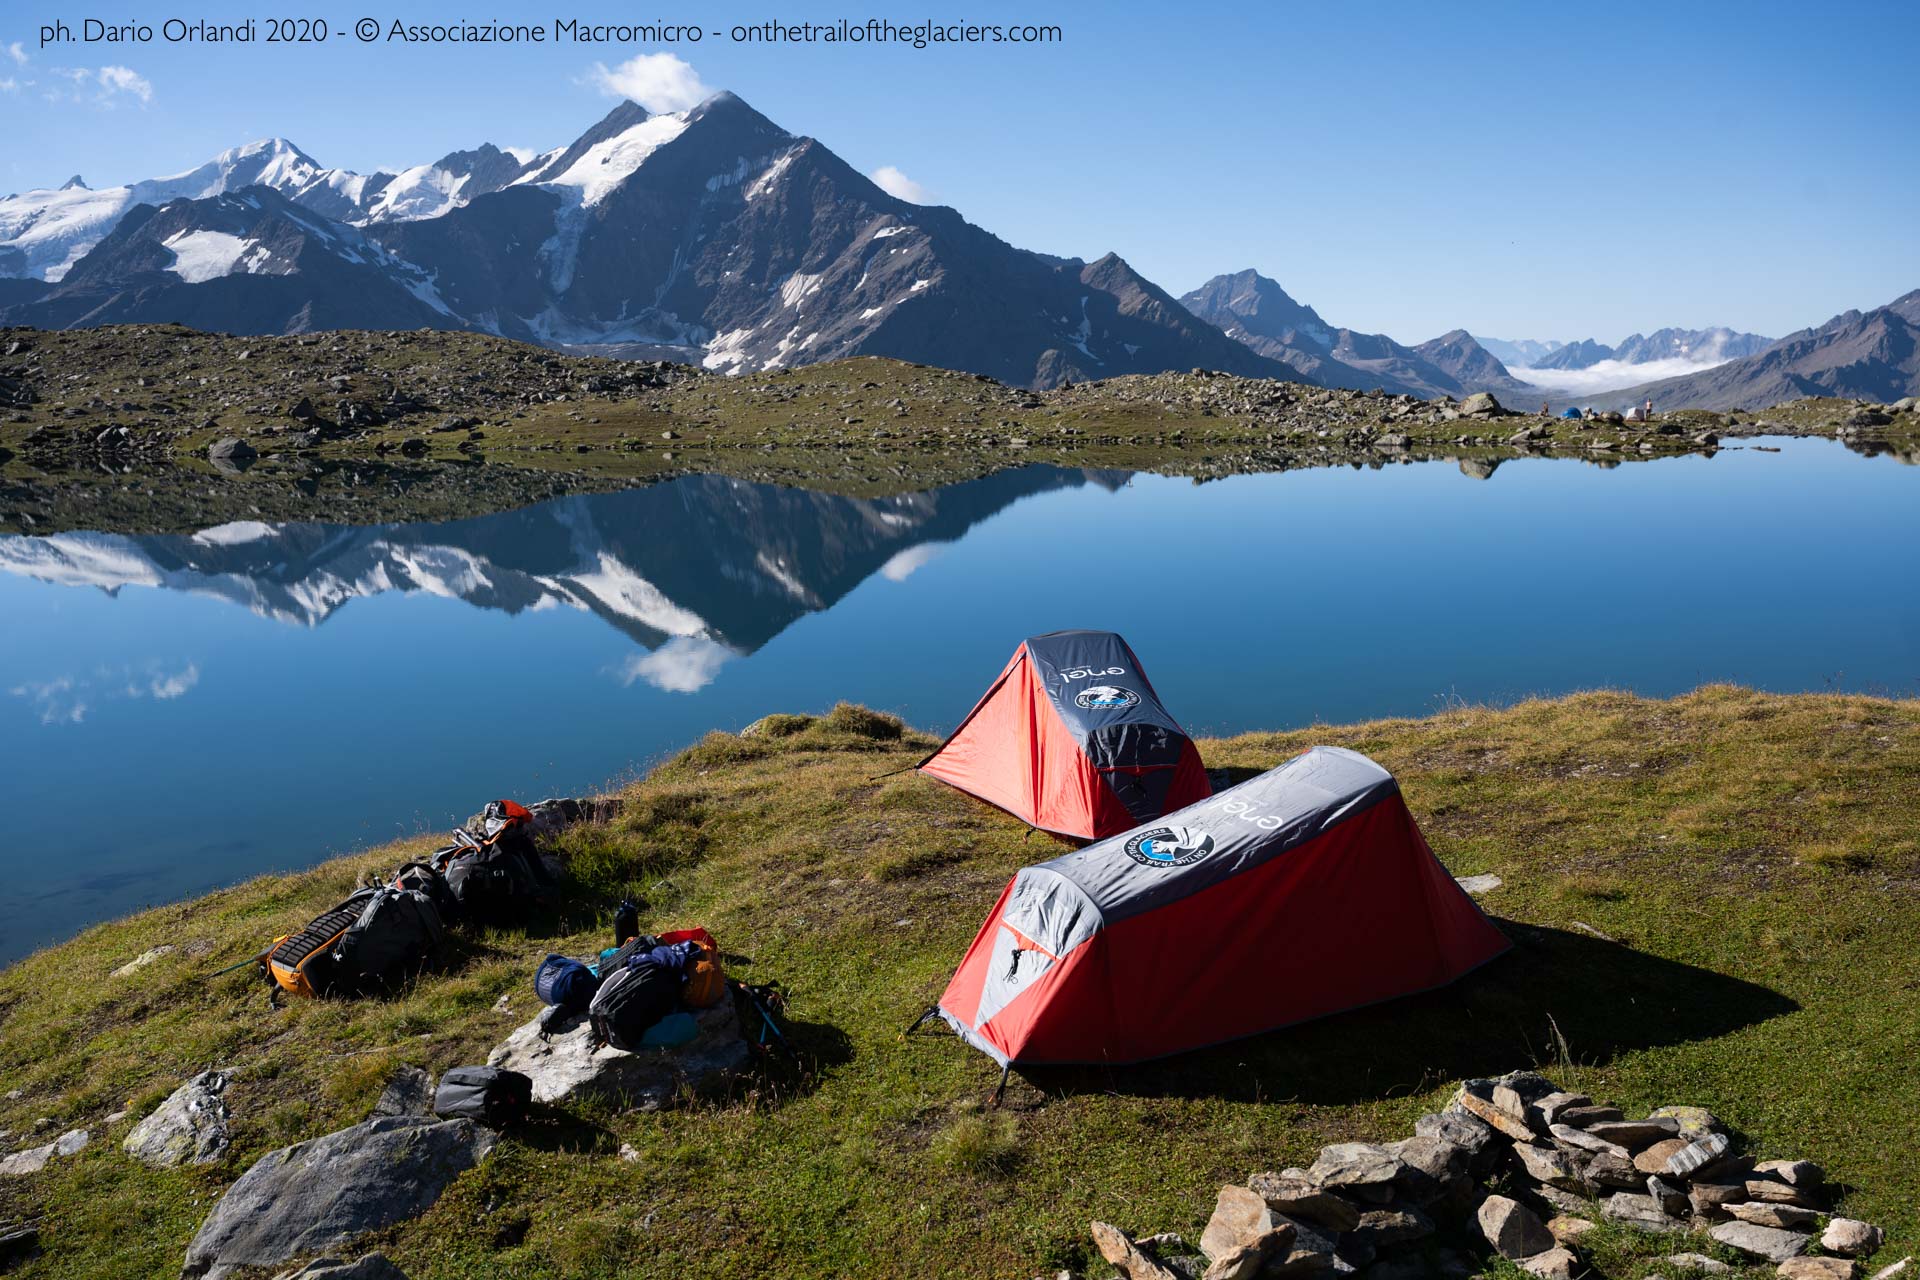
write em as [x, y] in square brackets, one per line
[1072, 739]
[1303, 892]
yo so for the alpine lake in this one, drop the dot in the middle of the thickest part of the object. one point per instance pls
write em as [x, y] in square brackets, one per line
[183, 711]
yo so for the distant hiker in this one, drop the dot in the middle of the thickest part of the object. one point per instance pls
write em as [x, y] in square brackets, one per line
[1546, 410]
[1648, 407]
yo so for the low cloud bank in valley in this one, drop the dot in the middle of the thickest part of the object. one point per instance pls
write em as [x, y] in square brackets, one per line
[1609, 375]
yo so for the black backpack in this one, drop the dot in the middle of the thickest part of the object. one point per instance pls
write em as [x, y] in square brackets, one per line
[396, 933]
[424, 877]
[629, 1002]
[490, 1095]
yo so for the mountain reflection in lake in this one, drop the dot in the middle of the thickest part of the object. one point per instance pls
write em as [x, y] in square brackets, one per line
[381, 680]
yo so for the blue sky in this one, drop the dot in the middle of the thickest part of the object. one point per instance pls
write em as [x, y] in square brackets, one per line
[1549, 171]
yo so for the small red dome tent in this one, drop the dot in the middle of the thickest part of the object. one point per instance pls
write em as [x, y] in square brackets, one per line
[1306, 891]
[1072, 739]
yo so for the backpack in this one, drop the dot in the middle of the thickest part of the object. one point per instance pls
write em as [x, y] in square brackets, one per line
[492, 1096]
[372, 939]
[497, 878]
[630, 1000]
[616, 958]
[565, 983]
[424, 877]
[706, 981]
[302, 963]
[396, 933]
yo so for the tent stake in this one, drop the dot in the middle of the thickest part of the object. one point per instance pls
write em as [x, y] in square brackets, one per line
[922, 1020]
[993, 1104]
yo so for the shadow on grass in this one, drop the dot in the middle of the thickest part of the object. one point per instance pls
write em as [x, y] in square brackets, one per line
[554, 1129]
[1605, 999]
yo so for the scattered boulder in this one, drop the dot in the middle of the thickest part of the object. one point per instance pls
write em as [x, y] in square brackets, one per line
[142, 960]
[1354, 1164]
[1240, 1216]
[34, 1159]
[566, 1064]
[1818, 1269]
[1554, 1264]
[1781, 1193]
[1641, 1211]
[1567, 1229]
[1654, 1158]
[1117, 1247]
[1851, 1237]
[1769, 1243]
[190, 1127]
[1696, 1262]
[1787, 1216]
[1795, 1173]
[1699, 1154]
[1513, 1230]
[317, 1195]
[1478, 885]
[1294, 1195]
[1480, 404]
[231, 449]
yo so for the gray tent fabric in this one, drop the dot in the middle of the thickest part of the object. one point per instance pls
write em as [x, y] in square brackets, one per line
[1217, 839]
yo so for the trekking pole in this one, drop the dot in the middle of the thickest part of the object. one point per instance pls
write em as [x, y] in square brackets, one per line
[243, 964]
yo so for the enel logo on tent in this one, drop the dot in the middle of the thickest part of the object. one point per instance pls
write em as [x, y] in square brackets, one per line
[1169, 846]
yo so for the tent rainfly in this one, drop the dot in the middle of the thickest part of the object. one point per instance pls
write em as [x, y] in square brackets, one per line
[1072, 739]
[1306, 891]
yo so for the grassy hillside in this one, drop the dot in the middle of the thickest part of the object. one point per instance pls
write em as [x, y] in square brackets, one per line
[1751, 861]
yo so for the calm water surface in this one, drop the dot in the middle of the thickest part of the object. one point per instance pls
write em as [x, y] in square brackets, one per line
[180, 712]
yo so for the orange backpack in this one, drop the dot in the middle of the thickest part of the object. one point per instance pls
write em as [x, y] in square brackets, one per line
[706, 980]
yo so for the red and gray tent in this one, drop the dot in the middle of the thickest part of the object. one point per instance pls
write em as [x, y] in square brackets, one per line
[1303, 892]
[1072, 739]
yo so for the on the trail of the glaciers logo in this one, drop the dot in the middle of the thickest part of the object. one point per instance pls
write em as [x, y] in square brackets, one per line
[1169, 846]
[1106, 697]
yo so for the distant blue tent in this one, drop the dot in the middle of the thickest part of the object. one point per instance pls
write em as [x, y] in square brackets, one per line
[1571, 413]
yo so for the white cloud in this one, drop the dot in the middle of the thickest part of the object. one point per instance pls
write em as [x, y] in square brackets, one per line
[9, 85]
[18, 53]
[54, 701]
[166, 687]
[899, 185]
[902, 565]
[657, 81]
[124, 80]
[684, 664]
[64, 699]
[97, 86]
[1609, 375]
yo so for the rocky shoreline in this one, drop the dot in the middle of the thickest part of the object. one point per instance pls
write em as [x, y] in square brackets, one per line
[162, 429]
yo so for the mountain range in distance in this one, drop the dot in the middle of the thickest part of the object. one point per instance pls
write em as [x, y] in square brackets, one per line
[714, 236]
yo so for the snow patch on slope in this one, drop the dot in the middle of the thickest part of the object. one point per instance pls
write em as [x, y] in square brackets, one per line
[605, 165]
[200, 256]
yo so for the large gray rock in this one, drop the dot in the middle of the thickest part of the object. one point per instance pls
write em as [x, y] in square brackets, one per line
[1769, 1243]
[567, 1064]
[315, 1196]
[189, 1127]
[1479, 404]
[1513, 1230]
[372, 1266]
